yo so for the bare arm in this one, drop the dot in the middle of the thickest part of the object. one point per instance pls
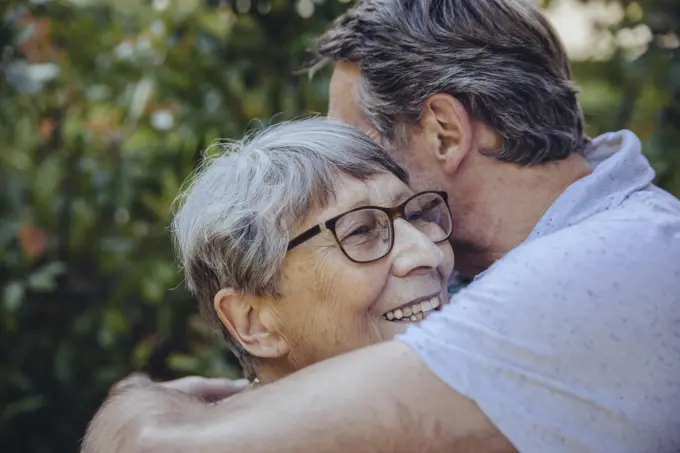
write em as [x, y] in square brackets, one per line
[380, 399]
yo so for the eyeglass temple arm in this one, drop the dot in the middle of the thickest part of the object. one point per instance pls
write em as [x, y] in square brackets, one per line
[306, 236]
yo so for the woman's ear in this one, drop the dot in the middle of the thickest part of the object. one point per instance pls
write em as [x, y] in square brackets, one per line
[450, 130]
[242, 316]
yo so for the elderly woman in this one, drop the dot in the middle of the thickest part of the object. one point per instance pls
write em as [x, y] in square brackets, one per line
[305, 242]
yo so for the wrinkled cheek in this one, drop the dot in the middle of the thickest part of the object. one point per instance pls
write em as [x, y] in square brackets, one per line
[374, 331]
[300, 332]
[320, 339]
[349, 336]
[362, 332]
[337, 337]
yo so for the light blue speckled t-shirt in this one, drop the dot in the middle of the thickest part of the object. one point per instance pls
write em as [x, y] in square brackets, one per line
[571, 342]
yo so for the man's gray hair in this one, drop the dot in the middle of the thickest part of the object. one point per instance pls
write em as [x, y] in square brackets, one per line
[500, 58]
[235, 217]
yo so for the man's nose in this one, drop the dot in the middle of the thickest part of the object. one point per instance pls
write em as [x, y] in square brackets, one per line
[413, 251]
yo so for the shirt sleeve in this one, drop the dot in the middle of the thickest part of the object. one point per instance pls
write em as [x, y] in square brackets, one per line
[569, 347]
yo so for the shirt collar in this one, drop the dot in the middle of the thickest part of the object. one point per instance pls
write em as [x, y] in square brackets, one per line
[619, 169]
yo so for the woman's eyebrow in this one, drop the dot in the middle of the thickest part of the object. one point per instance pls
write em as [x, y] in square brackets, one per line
[400, 196]
[396, 198]
[363, 201]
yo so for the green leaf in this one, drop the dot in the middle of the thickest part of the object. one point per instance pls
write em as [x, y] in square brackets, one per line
[184, 363]
[63, 362]
[142, 352]
[44, 280]
[21, 407]
[114, 326]
[13, 295]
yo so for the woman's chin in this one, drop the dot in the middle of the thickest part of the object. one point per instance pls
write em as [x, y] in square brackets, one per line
[390, 329]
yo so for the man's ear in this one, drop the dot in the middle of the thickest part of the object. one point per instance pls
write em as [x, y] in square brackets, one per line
[449, 130]
[242, 316]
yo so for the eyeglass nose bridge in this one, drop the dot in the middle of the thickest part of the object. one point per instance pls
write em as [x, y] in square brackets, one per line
[394, 213]
[397, 212]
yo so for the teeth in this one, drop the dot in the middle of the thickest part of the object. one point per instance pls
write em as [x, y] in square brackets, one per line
[416, 312]
[430, 305]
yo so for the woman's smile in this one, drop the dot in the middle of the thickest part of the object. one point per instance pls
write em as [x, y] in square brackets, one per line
[414, 311]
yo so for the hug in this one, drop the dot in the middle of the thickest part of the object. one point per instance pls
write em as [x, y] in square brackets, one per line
[323, 251]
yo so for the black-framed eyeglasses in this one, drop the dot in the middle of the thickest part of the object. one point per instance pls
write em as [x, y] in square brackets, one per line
[366, 234]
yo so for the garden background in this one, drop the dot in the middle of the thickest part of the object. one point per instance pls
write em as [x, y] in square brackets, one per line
[106, 106]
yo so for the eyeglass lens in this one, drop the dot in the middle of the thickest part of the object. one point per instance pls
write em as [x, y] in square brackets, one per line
[366, 234]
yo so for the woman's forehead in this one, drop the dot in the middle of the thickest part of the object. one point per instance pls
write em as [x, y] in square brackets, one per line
[381, 190]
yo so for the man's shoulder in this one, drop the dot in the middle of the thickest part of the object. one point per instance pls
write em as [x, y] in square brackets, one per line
[636, 242]
[650, 206]
[647, 221]
[577, 328]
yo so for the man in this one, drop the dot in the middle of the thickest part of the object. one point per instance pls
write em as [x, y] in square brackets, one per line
[568, 338]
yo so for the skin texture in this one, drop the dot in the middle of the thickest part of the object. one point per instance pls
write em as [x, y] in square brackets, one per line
[331, 305]
[380, 398]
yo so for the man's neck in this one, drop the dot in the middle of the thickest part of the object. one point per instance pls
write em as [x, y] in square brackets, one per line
[509, 207]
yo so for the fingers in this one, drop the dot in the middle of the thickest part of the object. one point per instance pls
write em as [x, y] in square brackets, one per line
[205, 388]
[218, 389]
[133, 380]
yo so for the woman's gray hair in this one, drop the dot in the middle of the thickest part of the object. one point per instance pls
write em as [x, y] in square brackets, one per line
[500, 58]
[235, 216]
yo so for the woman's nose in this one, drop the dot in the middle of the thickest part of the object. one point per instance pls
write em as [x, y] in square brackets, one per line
[413, 251]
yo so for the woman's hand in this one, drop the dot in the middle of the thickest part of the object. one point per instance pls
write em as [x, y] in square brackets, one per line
[206, 389]
[136, 405]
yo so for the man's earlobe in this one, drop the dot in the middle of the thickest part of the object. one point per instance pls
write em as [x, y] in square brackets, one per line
[249, 323]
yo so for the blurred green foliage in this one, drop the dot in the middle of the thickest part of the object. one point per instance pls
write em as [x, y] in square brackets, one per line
[106, 106]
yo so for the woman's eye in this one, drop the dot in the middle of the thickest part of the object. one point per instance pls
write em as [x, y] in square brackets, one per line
[432, 205]
[360, 230]
[416, 215]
